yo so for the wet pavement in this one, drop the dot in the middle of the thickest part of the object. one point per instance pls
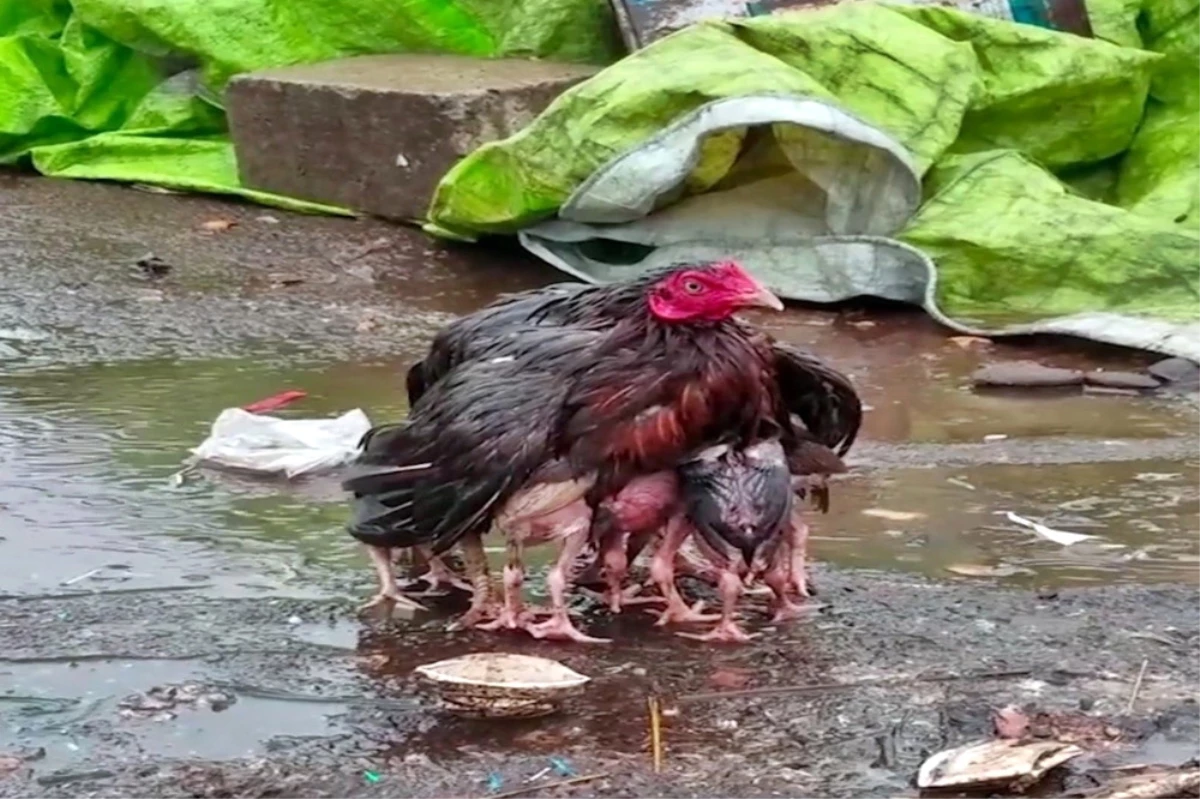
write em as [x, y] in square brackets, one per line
[115, 580]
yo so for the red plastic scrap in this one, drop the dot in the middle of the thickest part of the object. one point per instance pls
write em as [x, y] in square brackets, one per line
[275, 401]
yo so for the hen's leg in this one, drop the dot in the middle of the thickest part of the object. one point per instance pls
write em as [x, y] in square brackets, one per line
[389, 593]
[559, 625]
[513, 616]
[483, 605]
[727, 629]
[662, 571]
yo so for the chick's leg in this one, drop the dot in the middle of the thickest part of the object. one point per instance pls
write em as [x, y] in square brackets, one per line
[798, 544]
[727, 629]
[513, 616]
[662, 572]
[389, 593]
[616, 566]
[779, 579]
[559, 626]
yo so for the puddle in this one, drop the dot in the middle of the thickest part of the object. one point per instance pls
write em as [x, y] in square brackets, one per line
[85, 461]
[1150, 509]
[61, 706]
[86, 455]
[917, 383]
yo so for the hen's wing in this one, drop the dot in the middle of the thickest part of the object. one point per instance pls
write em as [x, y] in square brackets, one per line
[474, 438]
[467, 337]
[823, 397]
[810, 464]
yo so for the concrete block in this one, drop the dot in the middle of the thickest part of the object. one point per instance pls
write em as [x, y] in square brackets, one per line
[376, 133]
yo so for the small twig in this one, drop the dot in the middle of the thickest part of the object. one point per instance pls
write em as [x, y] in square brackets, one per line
[656, 750]
[367, 249]
[526, 789]
[843, 686]
[1137, 686]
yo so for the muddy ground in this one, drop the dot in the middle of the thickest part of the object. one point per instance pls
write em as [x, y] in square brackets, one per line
[113, 583]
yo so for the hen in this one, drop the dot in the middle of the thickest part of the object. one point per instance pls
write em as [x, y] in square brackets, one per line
[529, 440]
[820, 399]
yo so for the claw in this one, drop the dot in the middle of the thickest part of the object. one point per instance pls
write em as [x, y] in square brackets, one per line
[786, 610]
[683, 614]
[391, 598]
[727, 632]
[559, 627]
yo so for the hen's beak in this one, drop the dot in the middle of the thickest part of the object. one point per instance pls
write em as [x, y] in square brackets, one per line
[761, 298]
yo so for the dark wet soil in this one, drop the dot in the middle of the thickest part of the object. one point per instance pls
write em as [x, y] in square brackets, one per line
[115, 582]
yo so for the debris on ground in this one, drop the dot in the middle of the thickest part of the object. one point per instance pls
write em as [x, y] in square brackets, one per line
[967, 342]
[275, 401]
[502, 684]
[9, 764]
[1152, 782]
[1002, 763]
[1010, 722]
[1178, 371]
[1129, 380]
[252, 442]
[218, 225]
[730, 679]
[1060, 537]
[1025, 374]
[1030, 374]
[893, 515]
[983, 570]
[1094, 732]
[161, 701]
[153, 267]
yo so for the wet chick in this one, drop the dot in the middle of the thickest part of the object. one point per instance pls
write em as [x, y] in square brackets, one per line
[738, 507]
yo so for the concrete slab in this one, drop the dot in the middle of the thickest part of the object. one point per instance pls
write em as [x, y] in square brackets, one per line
[376, 133]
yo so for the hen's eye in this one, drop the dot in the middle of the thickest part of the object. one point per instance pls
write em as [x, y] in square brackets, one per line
[693, 287]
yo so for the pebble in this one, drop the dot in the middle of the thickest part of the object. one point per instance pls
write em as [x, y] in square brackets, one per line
[1120, 380]
[1176, 370]
[1025, 374]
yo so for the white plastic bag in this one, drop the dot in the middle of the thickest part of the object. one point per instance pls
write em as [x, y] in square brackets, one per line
[270, 445]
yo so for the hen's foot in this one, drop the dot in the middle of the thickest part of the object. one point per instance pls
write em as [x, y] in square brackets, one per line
[627, 597]
[508, 619]
[478, 615]
[679, 613]
[559, 627]
[787, 610]
[390, 598]
[633, 596]
[727, 632]
[421, 587]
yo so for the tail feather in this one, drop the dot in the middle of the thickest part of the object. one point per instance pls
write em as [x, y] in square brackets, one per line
[384, 520]
[381, 480]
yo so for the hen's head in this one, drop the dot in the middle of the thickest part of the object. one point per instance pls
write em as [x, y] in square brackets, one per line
[710, 293]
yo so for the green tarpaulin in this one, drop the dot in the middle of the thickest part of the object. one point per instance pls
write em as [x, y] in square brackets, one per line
[130, 89]
[1009, 178]
[1059, 174]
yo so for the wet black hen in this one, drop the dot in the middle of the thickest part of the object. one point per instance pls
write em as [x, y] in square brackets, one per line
[822, 398]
